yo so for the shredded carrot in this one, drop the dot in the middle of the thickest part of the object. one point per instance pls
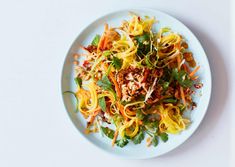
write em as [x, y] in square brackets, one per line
[194, 71]
[195, 78]
[103, 40]
[115, 137]
[119, 94]
[121, 109]
[140, 122]
[96, 112]
[149, 141]
[101, 43]
[182, 95]
[178, 61]
[186, 68]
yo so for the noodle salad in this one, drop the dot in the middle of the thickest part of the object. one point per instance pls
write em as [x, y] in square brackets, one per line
[136, 82]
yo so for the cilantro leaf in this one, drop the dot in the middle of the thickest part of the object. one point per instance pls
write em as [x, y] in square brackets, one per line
[142, 38]
[182, 77]
[102, 103]
[155, 141]
[108, 132]
[117, 63]
[138, 138]
[164, 137]
[78, 81]
[105, 83]
[143, 42]
[96, 40]
[122, 142]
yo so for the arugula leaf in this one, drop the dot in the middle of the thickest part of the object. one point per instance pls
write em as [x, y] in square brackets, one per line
[182, 77]
[122, 142]
[138, 138]
[155, 141]
[96, 40]
[108, 132]
[78, 81]
[164, 137]
[102, 103]
[105, 83]
[170, 100]
[139, 114]
[117, 63]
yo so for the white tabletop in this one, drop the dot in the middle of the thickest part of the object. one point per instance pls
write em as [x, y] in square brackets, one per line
[35, 130]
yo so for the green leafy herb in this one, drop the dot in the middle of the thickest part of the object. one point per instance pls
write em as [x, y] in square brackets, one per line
[96, 40]
[148, 106]
[143, 38]
[102, 104]
[165, 85]
[138, 138]
[164, 137]
[118, 120]
[70, 92]
[139, 114]
[105, 83]
[122, 142]
[153, 126]
[143, 42]
[155, 141]
[78, 81]
[106, 53]
[182, 78]
[117, 63]
[170, 100]
[182, 107]
[108, 132]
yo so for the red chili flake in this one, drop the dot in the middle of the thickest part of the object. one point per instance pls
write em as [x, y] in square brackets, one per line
[198, 86]
[139, 18]
[85, 63]
[90, 48]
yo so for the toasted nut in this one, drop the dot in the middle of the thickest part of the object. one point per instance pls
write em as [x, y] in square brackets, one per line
[75, 62]
[184, 45]
[75, 56]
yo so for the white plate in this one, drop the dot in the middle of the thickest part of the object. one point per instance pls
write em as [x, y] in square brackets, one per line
[202, 98]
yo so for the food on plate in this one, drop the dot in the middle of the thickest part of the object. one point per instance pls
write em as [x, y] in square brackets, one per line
[136, 81]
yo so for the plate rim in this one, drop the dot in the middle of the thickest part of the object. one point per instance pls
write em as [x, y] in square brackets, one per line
[209, 80]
